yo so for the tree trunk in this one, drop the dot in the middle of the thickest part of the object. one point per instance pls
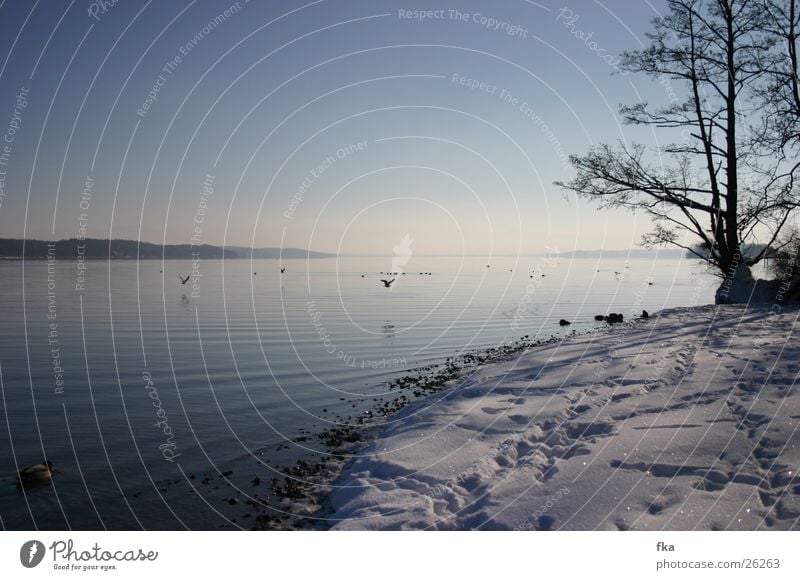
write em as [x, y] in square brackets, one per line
[737, 286]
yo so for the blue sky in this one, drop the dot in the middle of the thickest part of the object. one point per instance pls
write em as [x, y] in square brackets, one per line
[335, 125]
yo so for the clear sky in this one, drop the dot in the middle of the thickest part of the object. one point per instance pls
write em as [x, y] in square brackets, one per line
[335, 125]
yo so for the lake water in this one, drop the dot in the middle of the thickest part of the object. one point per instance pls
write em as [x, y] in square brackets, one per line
[137, 386]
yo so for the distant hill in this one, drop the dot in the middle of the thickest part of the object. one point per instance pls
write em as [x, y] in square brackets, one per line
[747, 249]
[668, 253]
[275, 253]
[93, 248]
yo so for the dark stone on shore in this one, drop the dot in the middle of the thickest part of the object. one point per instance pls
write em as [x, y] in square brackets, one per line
[35, 475]
[563, 322]
[599, 317]
[645, 314]
[614, 318]
[545, 523]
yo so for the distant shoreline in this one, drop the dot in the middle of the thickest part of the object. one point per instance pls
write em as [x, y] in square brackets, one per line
[152, 259]
[118, 249]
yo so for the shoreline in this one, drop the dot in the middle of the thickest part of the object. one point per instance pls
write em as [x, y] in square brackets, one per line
[307, 489]
[616, 428]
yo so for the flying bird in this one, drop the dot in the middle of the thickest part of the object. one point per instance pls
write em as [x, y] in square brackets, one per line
[283, 270]
[184, 280]
[388, 283]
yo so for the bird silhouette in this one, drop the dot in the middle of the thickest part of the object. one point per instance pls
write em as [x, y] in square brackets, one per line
[388, 283]
[283, 270]
[184, 280]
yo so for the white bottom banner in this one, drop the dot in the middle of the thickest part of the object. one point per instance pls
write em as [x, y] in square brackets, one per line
[389, 555]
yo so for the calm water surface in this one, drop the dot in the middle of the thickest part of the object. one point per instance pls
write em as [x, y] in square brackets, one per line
[136, 381]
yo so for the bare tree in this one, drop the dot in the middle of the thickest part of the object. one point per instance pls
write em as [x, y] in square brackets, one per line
[781, 91]
[720, 185]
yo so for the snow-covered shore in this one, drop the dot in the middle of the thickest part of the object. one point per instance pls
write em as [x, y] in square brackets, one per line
[688, 420]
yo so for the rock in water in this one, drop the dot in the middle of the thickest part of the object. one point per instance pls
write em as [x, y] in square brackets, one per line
[35, 475]
[563, 322]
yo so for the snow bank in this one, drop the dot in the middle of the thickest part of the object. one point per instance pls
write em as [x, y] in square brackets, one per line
[684, 421]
